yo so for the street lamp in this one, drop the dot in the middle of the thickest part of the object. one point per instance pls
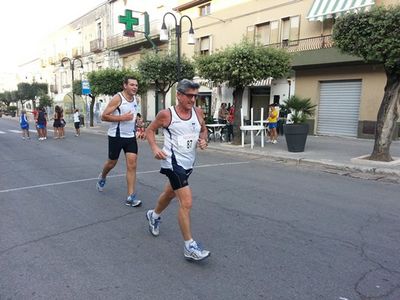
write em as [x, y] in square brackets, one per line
[72, 67]
[178, 34]
[289, 81]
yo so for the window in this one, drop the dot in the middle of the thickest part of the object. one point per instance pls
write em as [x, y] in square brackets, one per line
[263, 32]
[290, 30]
[99, 33]
[204, 45]
[205, 9]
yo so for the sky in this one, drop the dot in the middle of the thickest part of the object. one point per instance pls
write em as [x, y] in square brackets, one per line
[25, 23]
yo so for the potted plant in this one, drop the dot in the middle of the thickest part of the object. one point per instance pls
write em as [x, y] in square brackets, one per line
[296, 129]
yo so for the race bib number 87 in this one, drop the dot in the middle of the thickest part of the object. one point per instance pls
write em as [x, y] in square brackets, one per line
[187, 143]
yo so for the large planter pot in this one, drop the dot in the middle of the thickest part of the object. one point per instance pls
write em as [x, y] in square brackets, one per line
[296, 136]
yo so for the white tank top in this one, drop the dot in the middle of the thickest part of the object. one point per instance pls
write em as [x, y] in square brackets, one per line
[180, 141]
[125, 129]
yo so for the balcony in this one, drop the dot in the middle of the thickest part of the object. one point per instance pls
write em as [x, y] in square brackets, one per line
[76, 52]
[51, 60]
[118, 41]
[60, 56]
[96, 45]
[315, 51]
[314, 43]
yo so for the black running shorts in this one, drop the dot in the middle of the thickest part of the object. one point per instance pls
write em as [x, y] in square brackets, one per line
[178, 178]
[116, 144]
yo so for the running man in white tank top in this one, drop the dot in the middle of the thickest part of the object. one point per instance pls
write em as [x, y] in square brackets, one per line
[121, 112]
[184, 130]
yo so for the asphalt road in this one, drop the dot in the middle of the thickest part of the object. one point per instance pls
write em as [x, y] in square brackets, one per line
[275, 231]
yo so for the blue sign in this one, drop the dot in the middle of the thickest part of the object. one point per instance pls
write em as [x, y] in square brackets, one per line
[85, 87]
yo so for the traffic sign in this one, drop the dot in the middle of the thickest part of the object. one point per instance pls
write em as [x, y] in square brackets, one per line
[85, 87]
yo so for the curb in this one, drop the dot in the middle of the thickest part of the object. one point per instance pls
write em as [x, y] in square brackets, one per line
[349, 168]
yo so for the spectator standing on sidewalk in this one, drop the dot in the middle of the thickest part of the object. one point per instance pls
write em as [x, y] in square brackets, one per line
[139, 124]
[23, 122]
[57, 122]
[230, 119]
[222, 114]
[121, 112]
[184, 129]
[272, 124]
[77, 122]
[41, 123]
[63, 123]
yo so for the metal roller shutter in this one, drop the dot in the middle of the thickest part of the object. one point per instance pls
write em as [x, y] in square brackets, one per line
[338, 109]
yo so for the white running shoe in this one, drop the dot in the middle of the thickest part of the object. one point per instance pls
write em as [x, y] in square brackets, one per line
[195, 252]
[154, 224]
[100, 183]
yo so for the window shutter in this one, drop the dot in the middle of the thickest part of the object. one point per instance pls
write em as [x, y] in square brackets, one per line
[274, 32]
[210, 38]
[294, 28]
[250, 33]
[197, 46]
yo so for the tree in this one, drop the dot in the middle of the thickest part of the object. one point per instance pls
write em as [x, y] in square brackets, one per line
[241, 65]
[109, 82]
[45, 100]
[30, 91]
[160, 69]
[6, 98]
[373, 36]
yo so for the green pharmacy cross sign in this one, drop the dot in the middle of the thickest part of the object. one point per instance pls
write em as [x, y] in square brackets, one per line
[128, 20]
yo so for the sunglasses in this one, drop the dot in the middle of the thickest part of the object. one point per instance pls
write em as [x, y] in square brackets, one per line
[190, 95]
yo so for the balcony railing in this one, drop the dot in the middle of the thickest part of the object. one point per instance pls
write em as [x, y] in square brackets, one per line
[76, 52]
[314, 43]
[96, 45]
[119, 41]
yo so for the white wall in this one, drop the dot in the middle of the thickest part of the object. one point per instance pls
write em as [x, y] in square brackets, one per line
[281, 87]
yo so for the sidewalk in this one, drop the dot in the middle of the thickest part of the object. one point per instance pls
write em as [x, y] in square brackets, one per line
[335, 153]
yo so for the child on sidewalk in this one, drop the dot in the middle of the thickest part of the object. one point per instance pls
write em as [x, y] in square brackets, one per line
[23, 122]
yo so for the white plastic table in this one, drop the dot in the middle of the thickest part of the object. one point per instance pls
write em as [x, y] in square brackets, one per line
[215, 129]
[264, 123]
[253, 128]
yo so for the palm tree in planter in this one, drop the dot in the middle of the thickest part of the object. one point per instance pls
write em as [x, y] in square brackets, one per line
[296, 132]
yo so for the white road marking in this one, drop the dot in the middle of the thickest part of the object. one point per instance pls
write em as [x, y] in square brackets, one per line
[110, 176]
[2, 132]
[31, 130]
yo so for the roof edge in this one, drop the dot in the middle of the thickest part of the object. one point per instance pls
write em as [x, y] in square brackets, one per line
[190, 4]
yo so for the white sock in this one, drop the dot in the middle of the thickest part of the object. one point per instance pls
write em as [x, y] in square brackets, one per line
[154, 215]
[187, 243]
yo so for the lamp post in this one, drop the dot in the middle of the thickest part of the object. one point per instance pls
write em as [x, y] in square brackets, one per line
[178, 34]
[72, 67]
[290, 86]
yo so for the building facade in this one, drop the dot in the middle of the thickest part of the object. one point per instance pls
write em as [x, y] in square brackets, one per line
[347, 91]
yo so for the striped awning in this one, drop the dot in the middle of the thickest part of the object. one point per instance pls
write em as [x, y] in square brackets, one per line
[326, 9]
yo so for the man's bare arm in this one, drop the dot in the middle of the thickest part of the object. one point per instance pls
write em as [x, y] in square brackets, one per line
[108, 116]
[162, 120]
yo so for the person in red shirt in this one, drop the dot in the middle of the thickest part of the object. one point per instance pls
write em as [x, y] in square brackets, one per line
[230, 118]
